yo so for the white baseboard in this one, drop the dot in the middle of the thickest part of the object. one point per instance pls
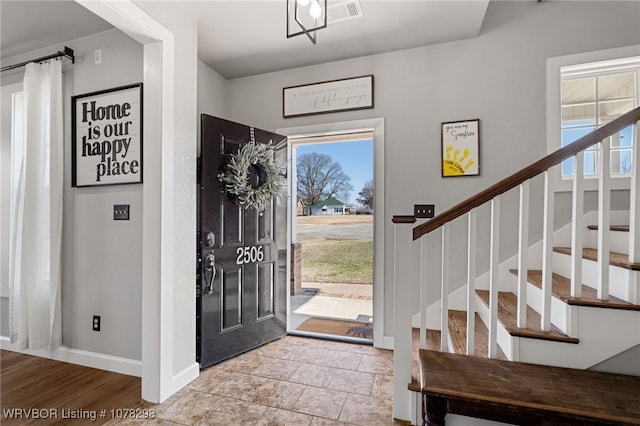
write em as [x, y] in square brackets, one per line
[183, 378]
[111, 363]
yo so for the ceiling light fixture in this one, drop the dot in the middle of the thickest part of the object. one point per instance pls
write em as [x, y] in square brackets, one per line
[306, 17]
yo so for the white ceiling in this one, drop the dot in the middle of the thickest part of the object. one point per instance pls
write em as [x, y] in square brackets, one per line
[246, 37]
[30, 25]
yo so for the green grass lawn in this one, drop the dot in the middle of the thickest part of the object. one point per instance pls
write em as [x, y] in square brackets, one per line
[337, 261]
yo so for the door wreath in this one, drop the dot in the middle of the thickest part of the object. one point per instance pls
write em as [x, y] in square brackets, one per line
[253, 176]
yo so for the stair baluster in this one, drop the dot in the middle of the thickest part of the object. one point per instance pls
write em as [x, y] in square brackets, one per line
[423, 292]
[523, 249]
[444, 291]
[577, 216]
[494, 262]
[471, 281]
[604, 220]
[634, 217]
[547, 251]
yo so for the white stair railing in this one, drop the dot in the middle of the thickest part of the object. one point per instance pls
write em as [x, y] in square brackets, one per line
[410, 259]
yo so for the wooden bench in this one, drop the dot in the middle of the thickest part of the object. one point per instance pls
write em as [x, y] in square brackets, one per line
[524, 394]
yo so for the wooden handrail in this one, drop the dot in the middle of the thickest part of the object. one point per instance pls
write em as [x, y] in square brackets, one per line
[528, 172]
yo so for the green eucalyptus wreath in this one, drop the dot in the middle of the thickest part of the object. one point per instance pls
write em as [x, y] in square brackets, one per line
[237, 172]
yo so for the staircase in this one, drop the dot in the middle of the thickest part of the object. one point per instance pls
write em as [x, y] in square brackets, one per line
[568, 301]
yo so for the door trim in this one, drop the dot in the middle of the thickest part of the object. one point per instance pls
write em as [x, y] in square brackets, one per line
[161, 377]
[376, 125]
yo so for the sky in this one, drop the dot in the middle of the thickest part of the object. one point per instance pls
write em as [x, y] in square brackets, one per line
[620, 162]
[356, 159]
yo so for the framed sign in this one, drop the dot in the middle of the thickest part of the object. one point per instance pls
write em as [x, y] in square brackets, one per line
[346, 94]
[461, 148]
[106, 129]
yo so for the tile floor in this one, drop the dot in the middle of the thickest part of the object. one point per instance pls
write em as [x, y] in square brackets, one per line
[293, 381]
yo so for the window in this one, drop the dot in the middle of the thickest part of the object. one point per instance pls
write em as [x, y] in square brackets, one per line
[12, 147]
[593, 94]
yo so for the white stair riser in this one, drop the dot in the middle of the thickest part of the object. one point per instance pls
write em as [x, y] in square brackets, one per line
[622, 281]
[560, 311]
[503, 337]
[603, 333]
[618, 240]
[457, 301]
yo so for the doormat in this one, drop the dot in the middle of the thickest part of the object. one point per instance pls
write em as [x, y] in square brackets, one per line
[336, 327]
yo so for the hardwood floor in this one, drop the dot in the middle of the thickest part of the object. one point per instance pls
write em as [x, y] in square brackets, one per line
[67, 391]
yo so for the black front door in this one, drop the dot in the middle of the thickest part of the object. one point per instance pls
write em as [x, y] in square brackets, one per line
[241, 297]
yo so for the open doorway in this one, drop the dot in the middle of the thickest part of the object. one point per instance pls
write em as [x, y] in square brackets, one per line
[333, 236]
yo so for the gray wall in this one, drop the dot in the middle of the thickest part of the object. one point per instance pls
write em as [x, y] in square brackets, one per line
[498, 77]
[213, 94]
[101, 257]
[627, 362]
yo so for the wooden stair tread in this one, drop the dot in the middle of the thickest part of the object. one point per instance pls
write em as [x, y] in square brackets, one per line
[507, 309]
[619, 228]
[433, 344]
[616, 259]
[539, 393]
[561, 288]
[458, 332]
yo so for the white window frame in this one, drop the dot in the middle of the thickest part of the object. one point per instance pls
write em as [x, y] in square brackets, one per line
[12, 116]
[553, 95]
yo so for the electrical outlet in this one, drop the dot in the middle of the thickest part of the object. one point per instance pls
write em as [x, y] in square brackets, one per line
[424, 211]
[97, 56]
[96, 323]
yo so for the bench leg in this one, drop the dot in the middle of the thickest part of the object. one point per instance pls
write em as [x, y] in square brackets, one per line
[435, 410]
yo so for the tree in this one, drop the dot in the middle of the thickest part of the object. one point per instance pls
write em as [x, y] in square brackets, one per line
[365, 197]
[320, 177]
[344, 196]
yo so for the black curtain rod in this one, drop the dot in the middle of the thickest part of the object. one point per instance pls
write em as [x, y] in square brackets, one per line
[67, 53]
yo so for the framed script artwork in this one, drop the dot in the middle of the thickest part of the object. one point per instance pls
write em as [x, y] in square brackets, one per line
[346, 94]
[461, 148]
[106, 137]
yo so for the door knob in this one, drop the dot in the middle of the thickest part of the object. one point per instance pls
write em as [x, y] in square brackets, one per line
[210, 262]
[209, 266]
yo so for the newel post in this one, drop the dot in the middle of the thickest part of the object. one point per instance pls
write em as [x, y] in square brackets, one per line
[403, 282]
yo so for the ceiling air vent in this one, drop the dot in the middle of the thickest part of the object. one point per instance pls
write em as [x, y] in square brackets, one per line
[344, 10]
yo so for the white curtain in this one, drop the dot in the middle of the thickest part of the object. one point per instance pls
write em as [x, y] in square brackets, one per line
[36, 213]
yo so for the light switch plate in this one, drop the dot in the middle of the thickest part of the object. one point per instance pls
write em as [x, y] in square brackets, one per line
[121, 212]
[424, 211]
